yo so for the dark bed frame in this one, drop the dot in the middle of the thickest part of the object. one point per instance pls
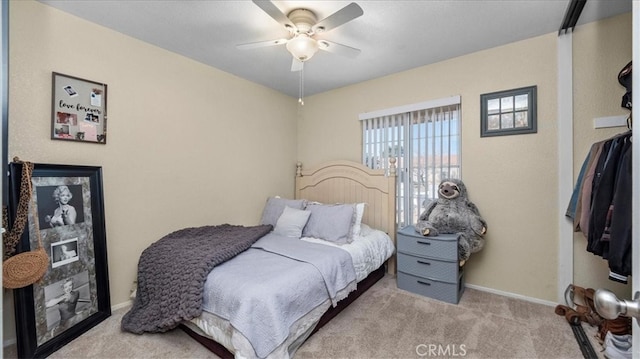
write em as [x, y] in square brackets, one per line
[219, 350]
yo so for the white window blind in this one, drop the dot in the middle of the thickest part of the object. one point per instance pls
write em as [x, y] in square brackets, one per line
[425, 140]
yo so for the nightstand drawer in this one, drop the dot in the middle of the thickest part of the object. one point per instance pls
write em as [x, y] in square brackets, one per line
[448, 292]
[444, 246]
[428, 267]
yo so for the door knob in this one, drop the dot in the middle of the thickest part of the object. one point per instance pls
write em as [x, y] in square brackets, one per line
[610, 307]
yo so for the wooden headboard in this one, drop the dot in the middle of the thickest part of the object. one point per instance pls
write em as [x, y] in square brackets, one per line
[352, 182]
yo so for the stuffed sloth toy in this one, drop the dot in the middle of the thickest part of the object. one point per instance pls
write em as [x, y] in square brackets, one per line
[453, 213]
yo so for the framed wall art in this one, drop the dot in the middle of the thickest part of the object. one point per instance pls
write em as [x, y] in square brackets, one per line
[510, 112]
[73, 295]
[78, 109]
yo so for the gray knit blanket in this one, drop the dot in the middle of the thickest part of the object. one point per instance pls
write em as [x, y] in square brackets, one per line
[172, 272]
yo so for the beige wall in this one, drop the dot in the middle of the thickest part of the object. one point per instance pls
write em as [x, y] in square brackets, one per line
[188, 144]
[173, 157]
[601, 49]
[512, 179]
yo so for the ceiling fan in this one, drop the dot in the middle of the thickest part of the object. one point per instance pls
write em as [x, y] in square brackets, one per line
[303, 26]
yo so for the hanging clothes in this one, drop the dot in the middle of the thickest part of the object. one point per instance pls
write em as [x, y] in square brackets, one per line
[577, 204]
[600, 205]
[602, 193]
[585, 213]
[621, 223]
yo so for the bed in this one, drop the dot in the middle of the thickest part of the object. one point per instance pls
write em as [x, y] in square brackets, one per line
[371, 251]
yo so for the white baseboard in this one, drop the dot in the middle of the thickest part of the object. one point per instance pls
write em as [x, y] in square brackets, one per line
[511, 295]
[121, 305]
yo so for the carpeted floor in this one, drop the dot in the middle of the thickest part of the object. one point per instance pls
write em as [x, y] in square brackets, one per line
[385, 322]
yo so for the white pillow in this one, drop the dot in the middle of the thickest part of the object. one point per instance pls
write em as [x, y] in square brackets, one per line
[355, 230]
[365, 230]
[291, 222]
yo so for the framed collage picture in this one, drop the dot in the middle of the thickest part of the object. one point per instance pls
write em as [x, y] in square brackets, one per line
[73, 295]
[78, 109]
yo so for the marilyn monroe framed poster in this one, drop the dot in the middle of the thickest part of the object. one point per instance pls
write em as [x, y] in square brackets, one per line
[73, 295]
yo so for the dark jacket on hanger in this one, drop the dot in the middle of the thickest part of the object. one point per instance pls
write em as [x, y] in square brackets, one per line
[602, 194]
[621, 222]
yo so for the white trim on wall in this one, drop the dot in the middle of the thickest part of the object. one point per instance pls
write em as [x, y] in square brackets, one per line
[635, 170]
[4, 44]
[511, 295]
[565, 161]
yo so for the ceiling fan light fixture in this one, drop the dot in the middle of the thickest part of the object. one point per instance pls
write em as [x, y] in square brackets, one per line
[302, 47]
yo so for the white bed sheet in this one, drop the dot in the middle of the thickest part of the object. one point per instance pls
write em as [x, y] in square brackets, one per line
[368, 252]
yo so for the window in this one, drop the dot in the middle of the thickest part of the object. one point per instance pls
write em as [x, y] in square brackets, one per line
[425, 139]
[508, 112]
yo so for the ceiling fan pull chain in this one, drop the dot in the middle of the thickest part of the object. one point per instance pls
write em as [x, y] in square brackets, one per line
[301, 94]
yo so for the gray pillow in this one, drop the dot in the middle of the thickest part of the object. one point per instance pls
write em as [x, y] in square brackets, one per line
[330, 222]
[274, 207]
[291, 222]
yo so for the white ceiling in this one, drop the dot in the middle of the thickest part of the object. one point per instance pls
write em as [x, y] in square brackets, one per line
[393, 35]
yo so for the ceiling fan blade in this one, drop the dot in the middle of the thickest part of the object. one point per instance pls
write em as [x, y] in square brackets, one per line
[338, 18]
[339, 49]
[254, 45]
[272, 10]
[296, 65]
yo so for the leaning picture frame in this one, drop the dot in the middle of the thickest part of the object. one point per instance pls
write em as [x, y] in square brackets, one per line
[73, 295]
[78, 109]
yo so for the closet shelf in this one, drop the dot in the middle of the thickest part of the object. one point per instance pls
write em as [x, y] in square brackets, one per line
[611, 121]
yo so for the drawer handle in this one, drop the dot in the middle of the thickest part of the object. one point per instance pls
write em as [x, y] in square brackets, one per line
[423, 262]
[426, 243]
[425, 283]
